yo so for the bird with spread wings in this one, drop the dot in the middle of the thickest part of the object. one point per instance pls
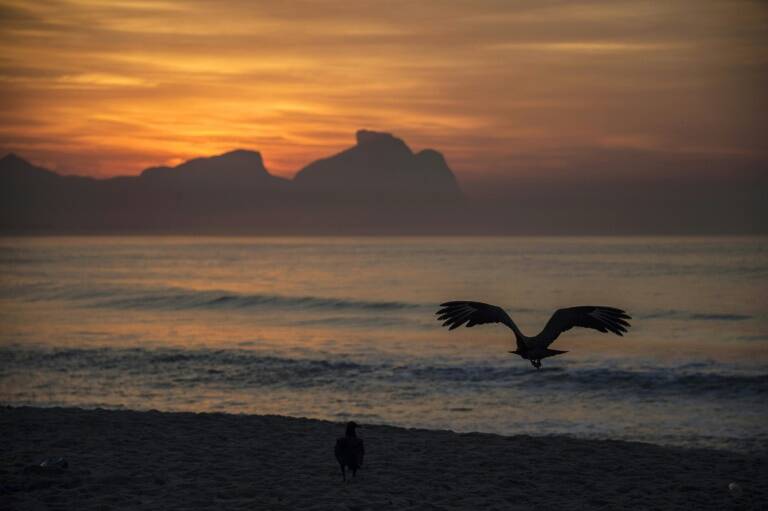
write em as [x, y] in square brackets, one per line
[603, 319]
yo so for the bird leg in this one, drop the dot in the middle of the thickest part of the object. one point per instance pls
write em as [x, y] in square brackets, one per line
[536, 362]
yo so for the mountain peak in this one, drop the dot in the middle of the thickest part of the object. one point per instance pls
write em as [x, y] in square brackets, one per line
[240, 166]
[371, 137]
[381, 165]
[14, 159]
[13, 164]
[380, 142]
[242, 154]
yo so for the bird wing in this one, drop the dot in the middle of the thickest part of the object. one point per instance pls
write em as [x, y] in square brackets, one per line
[455, 314]
[604, 319]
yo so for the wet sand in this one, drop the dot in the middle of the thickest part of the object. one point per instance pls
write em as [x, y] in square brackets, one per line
[153, 460]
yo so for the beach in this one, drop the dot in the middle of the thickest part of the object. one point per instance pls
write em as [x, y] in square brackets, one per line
[120, 459]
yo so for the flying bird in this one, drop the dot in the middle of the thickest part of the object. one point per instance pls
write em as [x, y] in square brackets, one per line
[604, 319]
[349, 451]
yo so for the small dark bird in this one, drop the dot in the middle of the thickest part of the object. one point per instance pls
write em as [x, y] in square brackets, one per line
[604, 319]
[349, 451]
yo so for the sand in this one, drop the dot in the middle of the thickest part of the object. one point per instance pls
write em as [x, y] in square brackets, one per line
[153, 460]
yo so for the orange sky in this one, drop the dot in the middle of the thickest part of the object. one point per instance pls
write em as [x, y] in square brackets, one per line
[111, 87]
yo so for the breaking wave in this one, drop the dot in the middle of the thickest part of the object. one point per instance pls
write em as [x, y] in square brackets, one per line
[180, 298]
[242, 368]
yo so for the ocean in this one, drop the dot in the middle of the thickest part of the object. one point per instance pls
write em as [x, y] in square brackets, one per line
[344, 328]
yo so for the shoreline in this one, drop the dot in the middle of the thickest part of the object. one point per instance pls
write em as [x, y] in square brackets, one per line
[123, 459]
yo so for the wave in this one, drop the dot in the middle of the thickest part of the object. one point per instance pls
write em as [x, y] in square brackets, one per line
[172, 367]
[720, 317]
[180, 298]
[242, 368]
[667, 380]
[692, 316]
[177, 298]
[189, 299]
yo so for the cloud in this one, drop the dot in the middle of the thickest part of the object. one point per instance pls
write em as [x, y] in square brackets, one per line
[102, 80]
[492, 84]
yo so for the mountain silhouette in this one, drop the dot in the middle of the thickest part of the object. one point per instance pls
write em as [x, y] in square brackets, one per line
[381, 165]
[378, 185]
[235, 168]
[16, 169]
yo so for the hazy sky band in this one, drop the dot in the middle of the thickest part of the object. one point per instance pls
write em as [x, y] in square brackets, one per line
[511, 88]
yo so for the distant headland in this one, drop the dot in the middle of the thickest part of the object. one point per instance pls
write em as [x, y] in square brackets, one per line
[379, 185]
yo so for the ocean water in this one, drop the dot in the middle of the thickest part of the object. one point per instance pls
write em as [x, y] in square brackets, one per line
[344, 328]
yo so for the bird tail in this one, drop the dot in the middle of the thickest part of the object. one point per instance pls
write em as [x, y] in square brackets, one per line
[552, 353]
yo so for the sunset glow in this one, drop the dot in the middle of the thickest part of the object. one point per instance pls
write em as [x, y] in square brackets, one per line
[106, 88]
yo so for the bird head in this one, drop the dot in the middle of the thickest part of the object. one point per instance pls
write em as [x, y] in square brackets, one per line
[351, 426]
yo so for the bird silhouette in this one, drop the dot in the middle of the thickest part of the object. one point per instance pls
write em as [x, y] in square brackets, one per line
[604, 319]
[349, 451]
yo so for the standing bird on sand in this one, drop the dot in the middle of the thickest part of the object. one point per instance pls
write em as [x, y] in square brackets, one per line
[604, 319]
[349, 451]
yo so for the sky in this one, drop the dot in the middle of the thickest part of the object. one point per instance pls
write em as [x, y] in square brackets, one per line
[522, 90]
